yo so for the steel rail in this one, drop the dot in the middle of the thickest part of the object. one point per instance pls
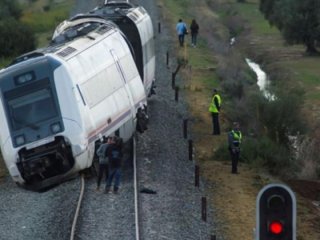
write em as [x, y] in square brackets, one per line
[135, 177]
[75, 219]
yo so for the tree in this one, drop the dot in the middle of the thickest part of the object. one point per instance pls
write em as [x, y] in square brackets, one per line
[304, 24]
[269, 9]
[298, 21]
[16, 38]
[9, 9]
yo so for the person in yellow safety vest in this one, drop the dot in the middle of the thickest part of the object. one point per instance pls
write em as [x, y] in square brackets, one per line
[214, 108]
[234, 141]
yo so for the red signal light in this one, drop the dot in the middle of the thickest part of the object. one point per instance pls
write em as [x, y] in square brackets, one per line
[276, 213]
[276, 227]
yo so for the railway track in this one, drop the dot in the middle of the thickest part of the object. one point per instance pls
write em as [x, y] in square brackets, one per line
[113, 216]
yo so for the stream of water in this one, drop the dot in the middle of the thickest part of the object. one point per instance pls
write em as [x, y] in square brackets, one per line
[262, 80]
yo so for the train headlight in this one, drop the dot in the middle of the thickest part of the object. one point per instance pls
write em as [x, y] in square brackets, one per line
[24, 78]
[19, 140]
[56, 127]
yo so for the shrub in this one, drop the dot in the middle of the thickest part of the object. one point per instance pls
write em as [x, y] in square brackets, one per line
[307, 151]
[282, 117]
[265, 153]
[16, 38]
[9, 9]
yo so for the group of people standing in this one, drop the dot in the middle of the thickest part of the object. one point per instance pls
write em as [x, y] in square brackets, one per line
[110, 155]
[182, 30]
[234, 136]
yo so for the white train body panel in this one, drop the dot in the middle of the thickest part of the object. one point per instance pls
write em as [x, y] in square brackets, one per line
[136, 24]
[93, 89]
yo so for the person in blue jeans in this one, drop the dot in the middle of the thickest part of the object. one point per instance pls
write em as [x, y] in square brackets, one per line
[103, 160]
[181, 31]
[115, 159]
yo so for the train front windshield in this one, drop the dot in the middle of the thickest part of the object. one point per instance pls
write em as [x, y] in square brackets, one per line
[31, 106]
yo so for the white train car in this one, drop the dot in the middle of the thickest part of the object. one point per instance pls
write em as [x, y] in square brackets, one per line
[136, 24]
[57, 102]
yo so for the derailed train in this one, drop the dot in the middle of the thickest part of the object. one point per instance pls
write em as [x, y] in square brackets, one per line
[58, 102]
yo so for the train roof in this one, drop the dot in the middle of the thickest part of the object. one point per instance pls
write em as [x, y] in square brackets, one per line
[97, 22]
[91, 29]
[71, 29]
[116, 11]
[119, 3]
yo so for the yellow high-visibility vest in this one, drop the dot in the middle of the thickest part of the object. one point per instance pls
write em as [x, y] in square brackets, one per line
[237, 136]
[213, 108]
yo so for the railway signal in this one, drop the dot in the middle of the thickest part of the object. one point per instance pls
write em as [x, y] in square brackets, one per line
[276, 213]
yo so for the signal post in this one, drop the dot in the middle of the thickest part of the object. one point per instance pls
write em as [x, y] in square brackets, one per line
[276, 213]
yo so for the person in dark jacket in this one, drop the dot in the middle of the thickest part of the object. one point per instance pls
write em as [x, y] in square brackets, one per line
[115, 158]
[194, 29]
[234, 141]
[103, 160]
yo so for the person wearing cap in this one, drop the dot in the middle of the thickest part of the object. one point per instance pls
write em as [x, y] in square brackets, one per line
[214, 109]
[234, 141]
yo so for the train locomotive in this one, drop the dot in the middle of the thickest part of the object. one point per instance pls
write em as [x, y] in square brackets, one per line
[58, 102]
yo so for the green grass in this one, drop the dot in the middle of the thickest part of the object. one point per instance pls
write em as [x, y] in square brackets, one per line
[43, 38]
[200, 58]
[256, 19]
[46, 20]
[203, 63]
[306, 73]
[210, 80]
[177, 7]
[4, 62]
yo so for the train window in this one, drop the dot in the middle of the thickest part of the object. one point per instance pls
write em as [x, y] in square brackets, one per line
[27, 108]
[97, 88]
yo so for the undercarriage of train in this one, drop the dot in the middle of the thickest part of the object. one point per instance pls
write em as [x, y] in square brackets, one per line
[45, 162]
